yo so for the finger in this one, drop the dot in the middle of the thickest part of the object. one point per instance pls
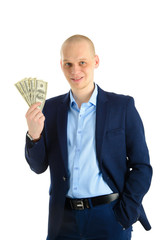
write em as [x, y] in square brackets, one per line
[41, 119]
[33, 114]
[31, 109]
[38, 116]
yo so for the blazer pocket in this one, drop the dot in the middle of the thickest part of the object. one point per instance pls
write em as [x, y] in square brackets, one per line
[115, 131]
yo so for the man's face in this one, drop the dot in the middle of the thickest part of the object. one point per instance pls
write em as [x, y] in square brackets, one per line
[78, 64]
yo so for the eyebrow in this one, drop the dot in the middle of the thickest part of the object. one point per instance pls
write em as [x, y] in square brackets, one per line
[65, 60]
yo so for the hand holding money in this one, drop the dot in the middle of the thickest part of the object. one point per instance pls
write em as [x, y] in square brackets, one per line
[32, 90]
[34, 93]
[35, 120]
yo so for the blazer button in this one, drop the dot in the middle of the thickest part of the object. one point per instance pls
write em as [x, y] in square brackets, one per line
[64, 179]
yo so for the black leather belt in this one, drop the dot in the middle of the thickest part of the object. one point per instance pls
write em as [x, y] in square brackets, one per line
[80, 204]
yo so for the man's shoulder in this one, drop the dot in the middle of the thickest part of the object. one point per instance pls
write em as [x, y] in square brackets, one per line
[57, 99]
[55, 102]
[115, 97]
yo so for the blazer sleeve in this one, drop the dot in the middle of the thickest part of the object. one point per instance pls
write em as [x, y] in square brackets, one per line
[35, 154]
[139, 174]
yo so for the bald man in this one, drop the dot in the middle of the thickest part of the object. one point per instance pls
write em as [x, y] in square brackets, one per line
[93, 142]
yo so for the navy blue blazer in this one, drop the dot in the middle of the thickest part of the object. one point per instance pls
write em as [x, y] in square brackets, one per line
[121, 152]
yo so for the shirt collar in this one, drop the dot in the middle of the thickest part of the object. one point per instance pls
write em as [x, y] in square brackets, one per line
[92, 100]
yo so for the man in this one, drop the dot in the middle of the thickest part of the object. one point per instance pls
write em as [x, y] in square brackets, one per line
[93, 142]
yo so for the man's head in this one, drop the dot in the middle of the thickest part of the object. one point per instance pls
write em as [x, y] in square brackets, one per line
[78, 61]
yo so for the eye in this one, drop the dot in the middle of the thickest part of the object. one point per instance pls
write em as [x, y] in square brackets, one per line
[68, 64]
[82, 63]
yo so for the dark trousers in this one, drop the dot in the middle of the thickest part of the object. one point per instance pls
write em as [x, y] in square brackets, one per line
[96, 223]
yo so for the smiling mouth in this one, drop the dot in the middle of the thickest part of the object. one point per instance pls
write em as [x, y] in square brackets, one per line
[76, 79]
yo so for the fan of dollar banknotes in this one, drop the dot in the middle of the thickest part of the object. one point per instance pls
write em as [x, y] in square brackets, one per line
[33, 90]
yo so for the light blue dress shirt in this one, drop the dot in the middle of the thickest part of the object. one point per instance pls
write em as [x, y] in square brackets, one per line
[85, 177]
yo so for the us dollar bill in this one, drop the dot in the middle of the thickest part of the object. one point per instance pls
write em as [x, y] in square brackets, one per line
[33, 90]
[32, 82]
[22, 91]
[40, 92]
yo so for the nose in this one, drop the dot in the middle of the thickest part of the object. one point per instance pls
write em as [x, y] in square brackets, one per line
[75, 69]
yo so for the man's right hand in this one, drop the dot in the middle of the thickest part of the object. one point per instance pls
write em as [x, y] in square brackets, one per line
[35, 120]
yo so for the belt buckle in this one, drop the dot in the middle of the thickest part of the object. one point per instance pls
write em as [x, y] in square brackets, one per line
[77, 204]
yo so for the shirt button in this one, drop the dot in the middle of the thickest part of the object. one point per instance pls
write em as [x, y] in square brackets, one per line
[64, 179]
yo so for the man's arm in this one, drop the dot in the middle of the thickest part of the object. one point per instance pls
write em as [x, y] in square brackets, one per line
[139, 174]
[35, 152]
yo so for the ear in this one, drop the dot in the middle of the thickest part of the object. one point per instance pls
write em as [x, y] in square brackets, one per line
[61, 62]
[96, 61]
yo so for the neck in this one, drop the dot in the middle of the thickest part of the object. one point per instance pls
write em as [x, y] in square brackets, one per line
[83, 95]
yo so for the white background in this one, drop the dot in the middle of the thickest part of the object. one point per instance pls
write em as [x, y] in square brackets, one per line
[126, 35]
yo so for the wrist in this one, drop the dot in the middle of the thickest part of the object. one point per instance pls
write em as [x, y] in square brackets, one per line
[33, 138]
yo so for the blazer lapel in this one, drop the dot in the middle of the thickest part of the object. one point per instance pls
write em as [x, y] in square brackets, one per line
[102, 114]
[62, 128]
